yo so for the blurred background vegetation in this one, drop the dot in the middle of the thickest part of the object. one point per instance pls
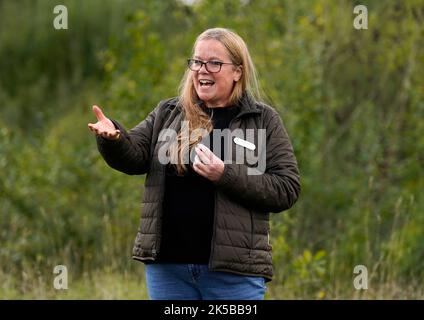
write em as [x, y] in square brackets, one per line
[352, 102]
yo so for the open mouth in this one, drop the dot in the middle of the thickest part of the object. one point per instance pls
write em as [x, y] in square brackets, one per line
[206, 83]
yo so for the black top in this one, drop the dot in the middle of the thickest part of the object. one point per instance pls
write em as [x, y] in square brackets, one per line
[189, 204]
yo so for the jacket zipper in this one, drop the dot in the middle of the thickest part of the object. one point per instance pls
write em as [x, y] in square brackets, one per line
[213, 233]
[251, 234]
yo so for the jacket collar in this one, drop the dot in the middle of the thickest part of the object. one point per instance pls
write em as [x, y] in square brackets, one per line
[247, 105]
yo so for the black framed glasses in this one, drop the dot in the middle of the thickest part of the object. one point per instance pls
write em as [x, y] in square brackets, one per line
[212, 66]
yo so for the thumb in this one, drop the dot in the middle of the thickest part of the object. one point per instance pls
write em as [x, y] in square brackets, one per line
[98, 112]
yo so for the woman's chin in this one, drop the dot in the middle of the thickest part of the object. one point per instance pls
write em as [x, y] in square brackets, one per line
[205, 97]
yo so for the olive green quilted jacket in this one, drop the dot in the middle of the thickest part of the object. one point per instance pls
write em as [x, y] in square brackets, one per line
[244, 198]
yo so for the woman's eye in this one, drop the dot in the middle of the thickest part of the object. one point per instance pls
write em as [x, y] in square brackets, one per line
[215, 63]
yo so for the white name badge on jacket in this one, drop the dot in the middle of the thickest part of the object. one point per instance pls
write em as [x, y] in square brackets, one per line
[244, 143]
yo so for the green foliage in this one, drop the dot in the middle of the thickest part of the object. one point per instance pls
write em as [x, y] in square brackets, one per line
[352, 103]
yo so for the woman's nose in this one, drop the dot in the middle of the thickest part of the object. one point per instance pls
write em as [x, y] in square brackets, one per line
[203, 69]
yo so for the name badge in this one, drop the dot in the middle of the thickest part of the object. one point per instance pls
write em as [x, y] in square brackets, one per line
[244, 143]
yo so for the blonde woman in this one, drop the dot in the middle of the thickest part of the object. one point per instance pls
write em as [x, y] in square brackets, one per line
[218, 162]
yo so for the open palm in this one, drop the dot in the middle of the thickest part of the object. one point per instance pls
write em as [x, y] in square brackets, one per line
[103, 127]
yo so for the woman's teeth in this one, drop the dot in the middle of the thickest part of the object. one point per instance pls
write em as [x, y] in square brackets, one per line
[206, 82]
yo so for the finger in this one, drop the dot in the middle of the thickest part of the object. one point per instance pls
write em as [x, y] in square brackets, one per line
[199, 164]
[205, 149]
[202, 156]
[104, 134]
[198, 169]
[113, 135]
[196, 160]
[95, 130]
[214, 159]
[98, 112]
[91, 128]
[208, 152]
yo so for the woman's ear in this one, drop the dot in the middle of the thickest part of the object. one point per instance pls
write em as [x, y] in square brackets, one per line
[238, 73]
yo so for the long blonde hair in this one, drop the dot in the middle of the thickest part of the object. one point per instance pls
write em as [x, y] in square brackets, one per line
[189, 100]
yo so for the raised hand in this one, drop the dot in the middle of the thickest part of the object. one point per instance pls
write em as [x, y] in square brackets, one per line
[207, 164]
[103, 127]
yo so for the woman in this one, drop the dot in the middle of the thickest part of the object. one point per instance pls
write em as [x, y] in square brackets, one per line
[204, 230]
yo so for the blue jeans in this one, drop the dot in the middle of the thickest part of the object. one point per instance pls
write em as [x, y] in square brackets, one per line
[195, 282]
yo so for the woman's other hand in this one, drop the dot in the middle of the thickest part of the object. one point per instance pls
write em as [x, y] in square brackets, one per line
[103, 127]
[207, 164]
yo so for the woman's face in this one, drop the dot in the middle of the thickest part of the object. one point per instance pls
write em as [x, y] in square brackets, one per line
[217, 92]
